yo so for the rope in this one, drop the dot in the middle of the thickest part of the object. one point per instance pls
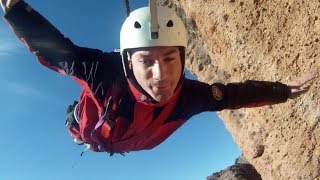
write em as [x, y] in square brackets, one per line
[127, 7]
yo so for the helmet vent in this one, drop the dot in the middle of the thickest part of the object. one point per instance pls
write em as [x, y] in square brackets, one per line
[170, 23]
[137, 25]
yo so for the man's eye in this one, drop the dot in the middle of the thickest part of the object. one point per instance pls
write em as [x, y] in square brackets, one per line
[169, 59]
[146, 62]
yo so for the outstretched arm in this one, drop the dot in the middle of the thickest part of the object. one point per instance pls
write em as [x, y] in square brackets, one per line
[198, 97]
[52, 49]
[260, 93]
[93, 67]
[257, 93]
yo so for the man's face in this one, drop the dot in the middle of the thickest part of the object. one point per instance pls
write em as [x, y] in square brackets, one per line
[157, 70]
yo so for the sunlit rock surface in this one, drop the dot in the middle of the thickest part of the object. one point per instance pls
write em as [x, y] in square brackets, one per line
[242, 169]
[232, 41]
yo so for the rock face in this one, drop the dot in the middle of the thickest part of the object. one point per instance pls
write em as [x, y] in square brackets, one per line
[232, 41]
[242, 169]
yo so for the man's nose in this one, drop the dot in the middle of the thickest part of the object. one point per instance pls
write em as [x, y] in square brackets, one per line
[158, 71]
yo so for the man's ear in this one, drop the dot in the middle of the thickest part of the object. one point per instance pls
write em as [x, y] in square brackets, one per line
[129, 60]
[130, 64]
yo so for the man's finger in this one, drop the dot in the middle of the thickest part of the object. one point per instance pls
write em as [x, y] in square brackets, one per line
[307, 79]
[303, 80]
[4, 2]
[297, 93]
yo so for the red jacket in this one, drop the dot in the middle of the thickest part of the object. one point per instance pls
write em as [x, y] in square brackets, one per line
[140, 123]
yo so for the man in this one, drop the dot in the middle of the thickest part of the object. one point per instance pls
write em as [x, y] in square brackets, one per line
[135, 99]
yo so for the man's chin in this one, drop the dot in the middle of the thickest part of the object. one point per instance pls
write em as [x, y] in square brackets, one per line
[162, 98]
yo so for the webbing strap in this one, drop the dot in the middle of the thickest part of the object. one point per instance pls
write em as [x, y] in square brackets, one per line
[109, 115]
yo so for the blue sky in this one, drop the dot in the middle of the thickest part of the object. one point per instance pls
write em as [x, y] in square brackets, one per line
[35, 143]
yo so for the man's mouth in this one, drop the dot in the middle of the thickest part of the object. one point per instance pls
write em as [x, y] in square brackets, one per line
[161, 87]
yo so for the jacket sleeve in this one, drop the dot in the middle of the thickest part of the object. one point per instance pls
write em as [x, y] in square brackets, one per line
[56, 52]
[199, 97]
[251, 94]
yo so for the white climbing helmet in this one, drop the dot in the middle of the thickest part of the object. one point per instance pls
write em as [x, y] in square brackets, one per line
[136, 31]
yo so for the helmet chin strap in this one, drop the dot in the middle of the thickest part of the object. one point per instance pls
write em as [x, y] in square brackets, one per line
[129, 74]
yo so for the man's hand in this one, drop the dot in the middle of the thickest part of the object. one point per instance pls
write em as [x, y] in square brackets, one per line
[7, 4]
[299, 86]
[4, 5]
